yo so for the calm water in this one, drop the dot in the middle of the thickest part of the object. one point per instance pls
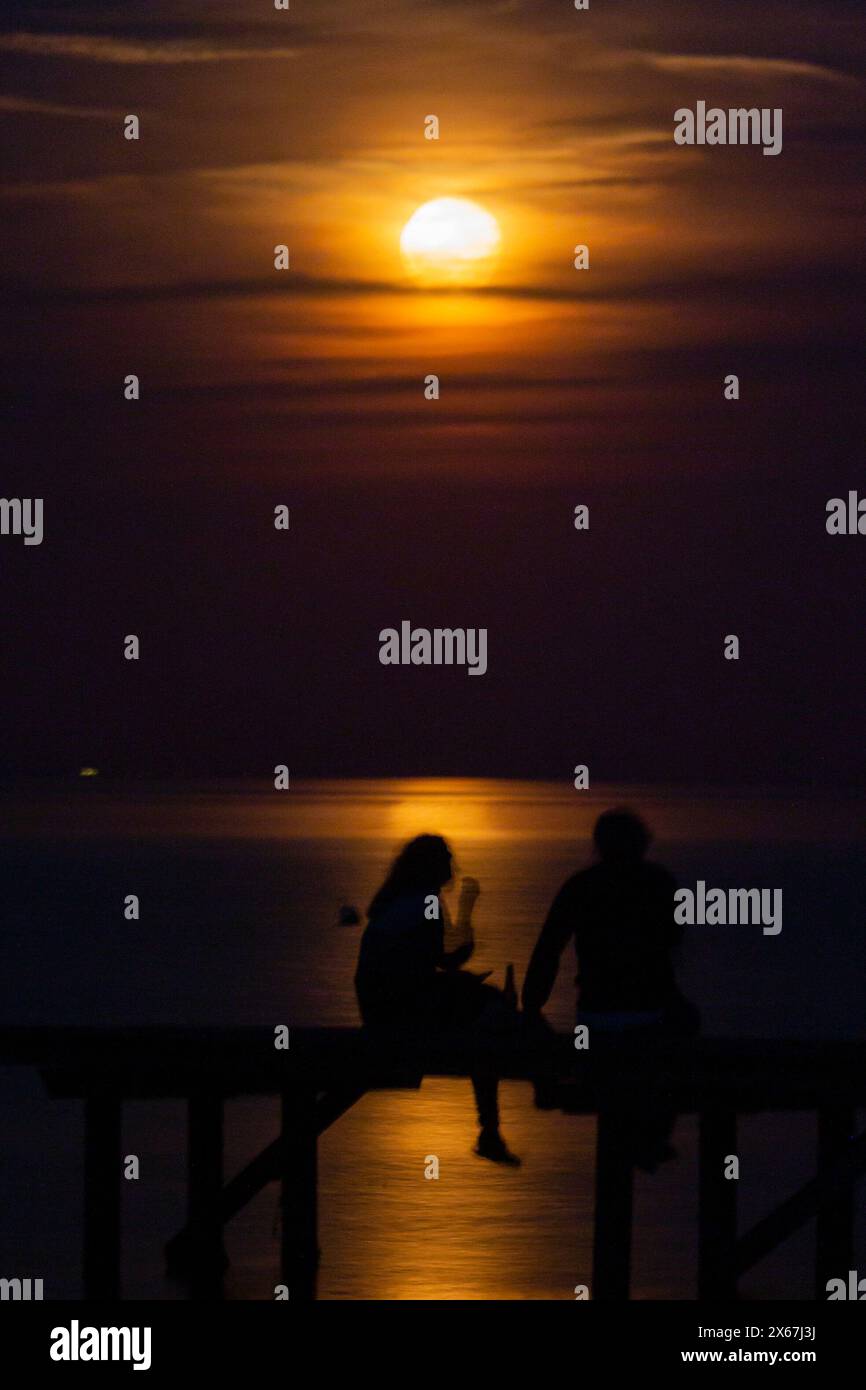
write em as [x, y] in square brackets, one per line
[240, 888]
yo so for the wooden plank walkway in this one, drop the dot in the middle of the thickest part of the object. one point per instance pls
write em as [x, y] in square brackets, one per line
[326, 1070]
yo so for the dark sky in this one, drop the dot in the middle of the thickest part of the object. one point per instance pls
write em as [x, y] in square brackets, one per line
[558, 387]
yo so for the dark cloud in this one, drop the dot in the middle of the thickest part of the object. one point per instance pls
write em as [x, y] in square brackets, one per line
[693, 283]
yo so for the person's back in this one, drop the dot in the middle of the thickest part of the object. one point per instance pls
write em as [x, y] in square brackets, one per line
[620, 916]
[622, 922]
[400, 950]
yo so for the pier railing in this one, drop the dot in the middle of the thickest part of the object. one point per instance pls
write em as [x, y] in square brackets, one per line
[324, 1071]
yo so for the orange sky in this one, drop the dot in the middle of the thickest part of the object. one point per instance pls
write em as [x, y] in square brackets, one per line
[557, 387]
[306, 128]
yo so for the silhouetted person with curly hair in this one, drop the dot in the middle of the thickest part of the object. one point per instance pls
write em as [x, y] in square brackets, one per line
[409, 981]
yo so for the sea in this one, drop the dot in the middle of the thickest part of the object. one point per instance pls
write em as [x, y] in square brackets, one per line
[242, 892]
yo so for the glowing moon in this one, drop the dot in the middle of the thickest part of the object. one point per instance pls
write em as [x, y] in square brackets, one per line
[450, 241]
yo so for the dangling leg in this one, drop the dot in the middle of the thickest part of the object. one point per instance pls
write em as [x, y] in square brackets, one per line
[490, 1144]
[464, 1005]
[486, 1089]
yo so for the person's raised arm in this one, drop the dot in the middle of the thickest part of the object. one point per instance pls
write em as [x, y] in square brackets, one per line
[462, 932]
[544, 962]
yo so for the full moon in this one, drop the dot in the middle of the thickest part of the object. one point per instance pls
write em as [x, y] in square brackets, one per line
[450, 241]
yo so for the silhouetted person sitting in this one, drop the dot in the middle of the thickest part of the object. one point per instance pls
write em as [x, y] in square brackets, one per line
[409, 980]
[620, 915]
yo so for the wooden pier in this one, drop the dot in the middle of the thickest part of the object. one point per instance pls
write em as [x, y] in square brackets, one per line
[325, 1071]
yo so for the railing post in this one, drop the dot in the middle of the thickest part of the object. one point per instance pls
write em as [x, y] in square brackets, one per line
[299, 1173]
[717, 1206]
[611, 1256]
[205, 1160]
[102, 1160]
[834, 1247]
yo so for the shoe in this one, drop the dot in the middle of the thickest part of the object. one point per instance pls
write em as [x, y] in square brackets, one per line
[491, 1145]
